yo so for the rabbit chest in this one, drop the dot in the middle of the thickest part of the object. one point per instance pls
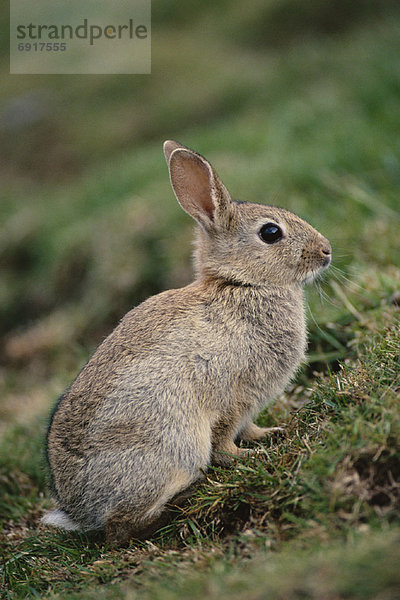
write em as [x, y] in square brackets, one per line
[256, 341]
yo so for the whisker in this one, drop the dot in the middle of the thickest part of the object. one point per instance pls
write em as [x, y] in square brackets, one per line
[337, 254]
[313, 318]
[339, 275]
[324, 297]
[342, 296]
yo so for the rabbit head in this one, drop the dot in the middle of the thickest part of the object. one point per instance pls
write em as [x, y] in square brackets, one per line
[242, 242]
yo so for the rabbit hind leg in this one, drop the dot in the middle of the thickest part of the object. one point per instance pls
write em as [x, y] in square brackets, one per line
[253, 432]
[123, 525]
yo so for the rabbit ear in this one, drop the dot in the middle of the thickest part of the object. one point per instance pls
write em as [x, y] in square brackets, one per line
[197, 187]
[169, 146]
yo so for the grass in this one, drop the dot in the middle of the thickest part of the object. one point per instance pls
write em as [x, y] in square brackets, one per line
[293, 107]
[332, 477]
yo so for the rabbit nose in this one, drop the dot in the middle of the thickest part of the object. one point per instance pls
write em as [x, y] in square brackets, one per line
[325, 246]
[326, 251]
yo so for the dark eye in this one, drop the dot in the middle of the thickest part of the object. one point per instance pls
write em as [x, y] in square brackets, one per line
[270, 233]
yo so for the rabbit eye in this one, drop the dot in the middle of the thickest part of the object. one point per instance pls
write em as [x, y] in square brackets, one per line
[270, 233]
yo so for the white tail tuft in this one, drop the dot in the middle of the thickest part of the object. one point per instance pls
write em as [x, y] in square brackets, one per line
[59, 518]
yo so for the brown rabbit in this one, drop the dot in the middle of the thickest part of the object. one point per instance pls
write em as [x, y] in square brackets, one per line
[185, 372]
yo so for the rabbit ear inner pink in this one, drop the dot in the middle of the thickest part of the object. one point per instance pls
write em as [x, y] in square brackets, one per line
[197, 187]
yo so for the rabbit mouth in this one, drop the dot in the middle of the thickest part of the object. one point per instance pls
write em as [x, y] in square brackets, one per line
[311, 276]
[326, 262]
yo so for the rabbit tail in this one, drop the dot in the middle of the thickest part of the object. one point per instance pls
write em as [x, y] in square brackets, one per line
[59, 518]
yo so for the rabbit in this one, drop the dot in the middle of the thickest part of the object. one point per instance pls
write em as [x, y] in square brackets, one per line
[184, 374]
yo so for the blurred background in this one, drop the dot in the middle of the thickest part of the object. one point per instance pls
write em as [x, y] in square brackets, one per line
[295, 103]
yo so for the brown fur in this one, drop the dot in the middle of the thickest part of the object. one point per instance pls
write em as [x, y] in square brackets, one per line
[185, 372]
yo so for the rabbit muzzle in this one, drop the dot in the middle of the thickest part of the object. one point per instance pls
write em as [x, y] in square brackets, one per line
[315, 258]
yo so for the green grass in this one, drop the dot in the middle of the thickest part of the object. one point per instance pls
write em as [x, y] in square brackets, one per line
[294, 105]
[358, 570]
[332, 477]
